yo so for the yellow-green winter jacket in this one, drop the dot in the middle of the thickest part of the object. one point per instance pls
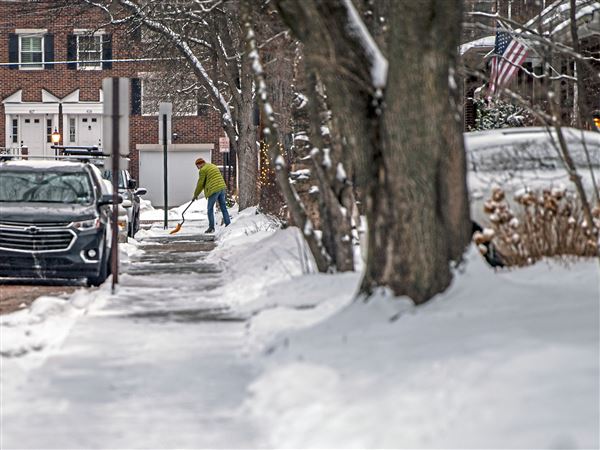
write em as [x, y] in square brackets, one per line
[210, 180]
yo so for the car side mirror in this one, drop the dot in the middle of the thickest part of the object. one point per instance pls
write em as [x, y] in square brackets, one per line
[126, 203]
[141, 191]
[107, 199]
[131, 184]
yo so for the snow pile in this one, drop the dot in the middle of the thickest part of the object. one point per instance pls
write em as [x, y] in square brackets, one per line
[29, 336]
[254, 256]
[129, 249]
[197, 210]
[506, 359]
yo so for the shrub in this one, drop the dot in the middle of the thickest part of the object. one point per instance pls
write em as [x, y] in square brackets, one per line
[499, 114]
[548, 223]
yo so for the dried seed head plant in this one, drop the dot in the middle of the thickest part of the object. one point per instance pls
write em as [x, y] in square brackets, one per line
[547, 223]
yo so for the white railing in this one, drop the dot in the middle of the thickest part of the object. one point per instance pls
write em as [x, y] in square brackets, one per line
[13, 151]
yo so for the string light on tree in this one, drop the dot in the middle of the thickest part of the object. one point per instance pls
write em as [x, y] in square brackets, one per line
[267, 175]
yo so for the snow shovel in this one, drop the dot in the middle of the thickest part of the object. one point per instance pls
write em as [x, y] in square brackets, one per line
[179, 225]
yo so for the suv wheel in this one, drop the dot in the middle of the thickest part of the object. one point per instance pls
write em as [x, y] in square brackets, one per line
[132, 229]
[104, 270]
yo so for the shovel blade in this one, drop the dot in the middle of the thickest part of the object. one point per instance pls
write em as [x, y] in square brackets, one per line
[177, 228]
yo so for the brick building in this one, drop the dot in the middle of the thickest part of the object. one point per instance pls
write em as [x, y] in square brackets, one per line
[53, 59]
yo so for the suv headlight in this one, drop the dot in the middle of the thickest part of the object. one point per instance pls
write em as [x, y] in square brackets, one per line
[86, 224]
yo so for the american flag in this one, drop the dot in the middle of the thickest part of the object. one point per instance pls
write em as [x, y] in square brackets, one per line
[509, 54]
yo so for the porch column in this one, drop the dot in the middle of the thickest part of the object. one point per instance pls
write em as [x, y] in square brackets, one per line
[8, 130]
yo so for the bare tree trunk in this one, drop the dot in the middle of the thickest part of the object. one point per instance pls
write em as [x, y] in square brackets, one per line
[410, 157]
[271, 134]
[336, 216]
[248, 154]
[420, 200]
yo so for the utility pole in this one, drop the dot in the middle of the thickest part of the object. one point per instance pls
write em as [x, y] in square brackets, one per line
[115, 184]
[115, 129]
[165, 111]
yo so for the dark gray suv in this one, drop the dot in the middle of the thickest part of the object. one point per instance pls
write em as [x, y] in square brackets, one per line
[54, 221]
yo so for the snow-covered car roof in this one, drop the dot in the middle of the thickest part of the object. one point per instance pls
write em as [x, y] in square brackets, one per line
[45, 164]
[529, 148]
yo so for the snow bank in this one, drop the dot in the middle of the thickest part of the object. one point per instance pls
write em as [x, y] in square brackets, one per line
[502, 359]
[255, 253]
[197, 210]
[29, 336]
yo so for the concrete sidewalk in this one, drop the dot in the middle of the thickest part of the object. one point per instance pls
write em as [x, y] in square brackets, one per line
[160, 366]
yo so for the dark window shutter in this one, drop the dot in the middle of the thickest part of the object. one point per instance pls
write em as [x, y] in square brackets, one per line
[72, 51]
[13, 50]
[49, 50]
[136, 97]
[107, 51]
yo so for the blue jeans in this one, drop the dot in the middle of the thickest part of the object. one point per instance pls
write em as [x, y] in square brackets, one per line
[220, 196]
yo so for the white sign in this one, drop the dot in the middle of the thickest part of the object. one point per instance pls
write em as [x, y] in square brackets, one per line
[164, 109]
[109, 116]
[224, 144]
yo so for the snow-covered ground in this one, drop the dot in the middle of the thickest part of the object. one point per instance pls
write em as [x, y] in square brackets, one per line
[506, 359]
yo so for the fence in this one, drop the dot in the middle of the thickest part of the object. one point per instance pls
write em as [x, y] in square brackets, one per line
[14, 151]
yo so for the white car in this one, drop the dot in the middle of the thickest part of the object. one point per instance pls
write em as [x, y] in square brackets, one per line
[526, 158]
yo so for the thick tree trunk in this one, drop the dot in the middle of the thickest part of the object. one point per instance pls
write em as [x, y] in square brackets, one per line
[417, 203]
[409, 158]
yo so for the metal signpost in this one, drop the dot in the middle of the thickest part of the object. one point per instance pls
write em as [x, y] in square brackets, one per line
[224, 148]
[165, 111]
[115, 135]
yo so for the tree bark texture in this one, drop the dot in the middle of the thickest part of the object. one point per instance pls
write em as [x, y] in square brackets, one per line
[272, 139]
[247, 161]
[336, 218]
[410, 159]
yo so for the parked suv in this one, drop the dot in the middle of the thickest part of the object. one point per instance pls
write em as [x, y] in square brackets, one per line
[131, 194]
[54, 221]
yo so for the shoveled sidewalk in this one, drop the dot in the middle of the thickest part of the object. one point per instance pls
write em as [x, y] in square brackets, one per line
[161, 365]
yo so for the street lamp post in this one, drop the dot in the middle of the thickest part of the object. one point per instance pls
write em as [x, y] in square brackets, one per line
[55, 137]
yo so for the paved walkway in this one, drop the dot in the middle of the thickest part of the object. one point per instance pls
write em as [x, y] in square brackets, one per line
[161, 366]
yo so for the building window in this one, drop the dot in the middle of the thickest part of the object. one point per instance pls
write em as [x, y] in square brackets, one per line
[48, 130]
[89, 52]
[31, 54]
[72, 129]
[15, 131]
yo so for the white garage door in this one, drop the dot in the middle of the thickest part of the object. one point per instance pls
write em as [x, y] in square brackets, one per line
[182, 172]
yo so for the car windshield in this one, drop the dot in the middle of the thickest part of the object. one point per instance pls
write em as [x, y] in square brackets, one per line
[497, 153]
[107, 175]
[45, 187]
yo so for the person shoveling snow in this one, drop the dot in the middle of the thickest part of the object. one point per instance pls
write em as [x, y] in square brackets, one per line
[212, 183]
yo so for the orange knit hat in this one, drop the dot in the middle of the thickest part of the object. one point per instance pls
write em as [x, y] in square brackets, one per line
[200, 161]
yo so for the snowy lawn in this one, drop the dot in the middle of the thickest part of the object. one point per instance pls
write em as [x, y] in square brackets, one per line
[502, 359]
